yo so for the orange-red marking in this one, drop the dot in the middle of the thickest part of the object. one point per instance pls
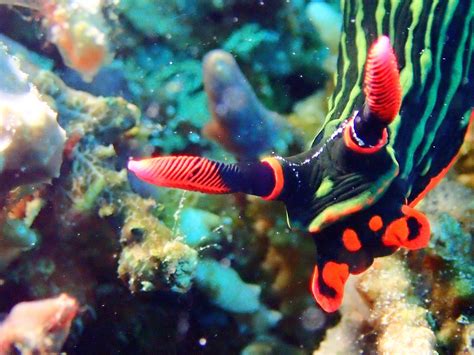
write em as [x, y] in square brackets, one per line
[424, 231]
[375, 223]
[398, 232]
[335, 276]
[351, 240]
[349, 142]
[184, 172]
[279, 178]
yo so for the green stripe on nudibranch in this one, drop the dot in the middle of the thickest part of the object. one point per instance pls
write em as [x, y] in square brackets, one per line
[325, 187]
[455, 80]
[355, 91]
[361, 45]
[470, 53]
[427, 167]
[406, 75]
[393, 9]
[379, 16]
[426, 59]
[420, 128]
[340, 82]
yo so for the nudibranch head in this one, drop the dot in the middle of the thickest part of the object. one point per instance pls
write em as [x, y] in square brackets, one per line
[382, 87]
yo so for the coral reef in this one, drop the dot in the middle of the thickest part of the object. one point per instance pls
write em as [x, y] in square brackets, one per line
[465, 163]
[346, 337]
[161, 271]
[151, 258]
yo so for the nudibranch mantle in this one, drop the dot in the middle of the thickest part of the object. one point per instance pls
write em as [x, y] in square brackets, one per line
[345, 190]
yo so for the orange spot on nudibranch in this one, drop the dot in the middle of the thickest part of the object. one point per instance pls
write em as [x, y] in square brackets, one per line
[351, 240]
[422, 237]
[396, 233]
[375, 223]
[411, 231]
[334, 275]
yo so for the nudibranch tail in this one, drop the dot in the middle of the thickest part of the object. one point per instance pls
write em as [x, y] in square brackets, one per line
[204, 175]
[327, 285]
[382, 87]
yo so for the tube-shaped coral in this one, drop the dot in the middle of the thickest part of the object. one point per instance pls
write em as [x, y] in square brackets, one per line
[239, 121]
[15, 237]
[225, 288]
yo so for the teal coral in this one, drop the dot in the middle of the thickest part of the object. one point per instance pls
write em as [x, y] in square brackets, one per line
[246, 39]
[454, 245]
[225, 287]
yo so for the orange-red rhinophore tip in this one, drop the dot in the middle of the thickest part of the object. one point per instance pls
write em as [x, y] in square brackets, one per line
[382, 87]
[183, 172]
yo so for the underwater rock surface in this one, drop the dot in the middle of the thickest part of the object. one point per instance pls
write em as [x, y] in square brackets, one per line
[31, 140]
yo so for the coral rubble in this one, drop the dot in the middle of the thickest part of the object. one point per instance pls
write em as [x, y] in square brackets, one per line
[399, 321]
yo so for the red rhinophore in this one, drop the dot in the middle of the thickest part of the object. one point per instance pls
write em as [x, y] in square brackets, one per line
[183, 172]
[382, 87]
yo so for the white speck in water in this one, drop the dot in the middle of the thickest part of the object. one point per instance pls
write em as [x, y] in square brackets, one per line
[203, 341]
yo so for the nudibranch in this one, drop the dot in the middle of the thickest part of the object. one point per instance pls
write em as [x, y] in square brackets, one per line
[356, 188]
